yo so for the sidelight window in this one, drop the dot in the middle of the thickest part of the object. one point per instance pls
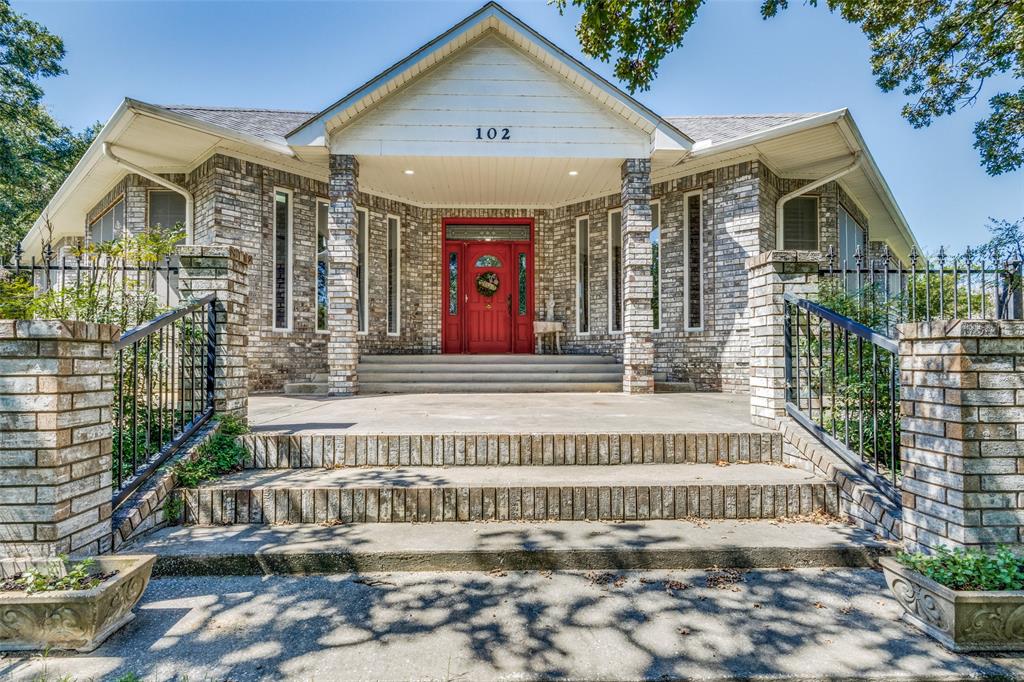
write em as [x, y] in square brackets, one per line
[583, 275]
[282, 259]
[394, 265]
[615, 271]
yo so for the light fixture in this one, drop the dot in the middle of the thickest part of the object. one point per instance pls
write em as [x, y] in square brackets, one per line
[574, 173]
[409, 171]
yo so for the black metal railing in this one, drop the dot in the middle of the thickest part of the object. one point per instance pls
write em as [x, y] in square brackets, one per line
[842, 384]
[97, 286]
[974, 285]
[163, 390]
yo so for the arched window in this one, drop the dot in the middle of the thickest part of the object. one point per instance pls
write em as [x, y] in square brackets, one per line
[487, 261]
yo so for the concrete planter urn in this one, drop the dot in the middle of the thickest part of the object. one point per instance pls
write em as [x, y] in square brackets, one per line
[71, 619]
[962, 621]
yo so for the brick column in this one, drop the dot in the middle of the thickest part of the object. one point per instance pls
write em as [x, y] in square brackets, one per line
[638, 285]
[56, 393]
[962, 395]
[769, 276]
[342, 291]
[223, 270]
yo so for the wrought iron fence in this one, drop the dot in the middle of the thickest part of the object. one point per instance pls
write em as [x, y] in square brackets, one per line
[163, 391]
[96, 286]
[842, 384]
[972, 285]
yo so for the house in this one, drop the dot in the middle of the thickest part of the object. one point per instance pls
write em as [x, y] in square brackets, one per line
[437, 208]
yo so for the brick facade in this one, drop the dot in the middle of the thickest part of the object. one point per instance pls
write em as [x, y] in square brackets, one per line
[962, 394]
[234, 205]
[638, 285]
[56, 381]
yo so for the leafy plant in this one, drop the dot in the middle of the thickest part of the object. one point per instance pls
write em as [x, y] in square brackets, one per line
[970, 569]
[220, 455]
[53, 579]
[173, 507]
[16, 294]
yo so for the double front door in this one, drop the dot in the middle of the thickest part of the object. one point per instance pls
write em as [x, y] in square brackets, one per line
[488, 291]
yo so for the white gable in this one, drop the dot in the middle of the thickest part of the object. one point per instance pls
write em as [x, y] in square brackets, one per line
[491, 99]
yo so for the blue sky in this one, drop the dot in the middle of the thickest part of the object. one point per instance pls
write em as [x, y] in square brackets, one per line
[303, 55]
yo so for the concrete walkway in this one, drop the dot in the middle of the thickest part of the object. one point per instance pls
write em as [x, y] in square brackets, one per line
[503, 413]
[656, 625]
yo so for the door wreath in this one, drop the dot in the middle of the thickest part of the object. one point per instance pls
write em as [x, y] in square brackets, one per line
[487, 283]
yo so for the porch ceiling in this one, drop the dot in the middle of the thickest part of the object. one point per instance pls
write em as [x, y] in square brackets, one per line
[489, 181]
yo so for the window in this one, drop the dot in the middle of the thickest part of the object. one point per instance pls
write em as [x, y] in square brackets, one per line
[851, 238]
[694, 300]
[583, 275]
[109, 226]
[488, 261]
[453, 283]
[656, 263]
[523, 284]
[394, 275]
[362, 272]
[322, 265]
[800, 224]
[282, 259]
[615, 271]
[166, 209]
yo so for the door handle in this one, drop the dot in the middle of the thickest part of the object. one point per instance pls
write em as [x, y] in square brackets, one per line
[467, 298]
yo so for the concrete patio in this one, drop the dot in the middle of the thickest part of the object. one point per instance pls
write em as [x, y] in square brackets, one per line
[503, 413]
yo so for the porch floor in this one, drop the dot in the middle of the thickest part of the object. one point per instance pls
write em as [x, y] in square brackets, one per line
[503, 413]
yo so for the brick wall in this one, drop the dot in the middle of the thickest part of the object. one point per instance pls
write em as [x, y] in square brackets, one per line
[56, 381]
[962, 393]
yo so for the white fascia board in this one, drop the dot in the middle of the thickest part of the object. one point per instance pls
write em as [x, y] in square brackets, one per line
[852, 132]
[187, 121]
[313, 132]
[117, 122]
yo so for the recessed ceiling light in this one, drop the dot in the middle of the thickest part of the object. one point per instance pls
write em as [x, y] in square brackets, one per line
[409, 171]
[574, 173]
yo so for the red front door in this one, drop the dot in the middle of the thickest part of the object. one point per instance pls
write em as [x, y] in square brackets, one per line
[487, 286]
[489, 293]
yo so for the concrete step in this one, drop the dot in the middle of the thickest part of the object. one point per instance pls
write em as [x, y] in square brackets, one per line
[536, 493]
[306, 388]
[507, 359]
[477, 368]
[557, 545]
[503, 386]
[535, 375]
[268, 450]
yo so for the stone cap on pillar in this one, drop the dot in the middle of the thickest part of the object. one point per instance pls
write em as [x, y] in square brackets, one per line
[780, 257]
[971, 329]
[58, 329]
[214, 251]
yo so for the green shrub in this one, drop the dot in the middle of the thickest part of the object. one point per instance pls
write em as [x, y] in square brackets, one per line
[173, 507]
[973, 569]
[16, 295]
[78, 576]
[220, 455]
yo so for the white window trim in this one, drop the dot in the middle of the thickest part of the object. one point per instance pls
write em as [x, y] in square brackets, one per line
[288, 263]
[781, 241]
[398, 273]
[611, 279]
[316, 269]
[121, 198]
[576, 284]
[364, 293]
[686, 260]
[661, 262]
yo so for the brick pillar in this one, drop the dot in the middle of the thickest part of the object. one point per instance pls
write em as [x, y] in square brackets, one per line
[223, 271]
[769, 276]
[962, 397]
[638, 285]
[56, 393]
[343, 348]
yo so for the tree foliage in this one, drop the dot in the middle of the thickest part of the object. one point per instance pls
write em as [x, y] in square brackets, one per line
[938, 52]
[36, 152]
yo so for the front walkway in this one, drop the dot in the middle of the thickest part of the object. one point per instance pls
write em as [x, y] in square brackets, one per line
[503, 413]
[653, 625]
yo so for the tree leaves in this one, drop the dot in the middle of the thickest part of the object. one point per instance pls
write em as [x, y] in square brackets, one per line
[939, 53]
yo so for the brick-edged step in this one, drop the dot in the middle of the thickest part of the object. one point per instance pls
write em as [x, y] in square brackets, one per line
[275, 451]
[503, 386]
[436, 494]
[503, 359]
[556, 545]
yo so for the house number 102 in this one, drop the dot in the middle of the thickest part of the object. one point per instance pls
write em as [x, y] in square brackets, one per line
[493, 134]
